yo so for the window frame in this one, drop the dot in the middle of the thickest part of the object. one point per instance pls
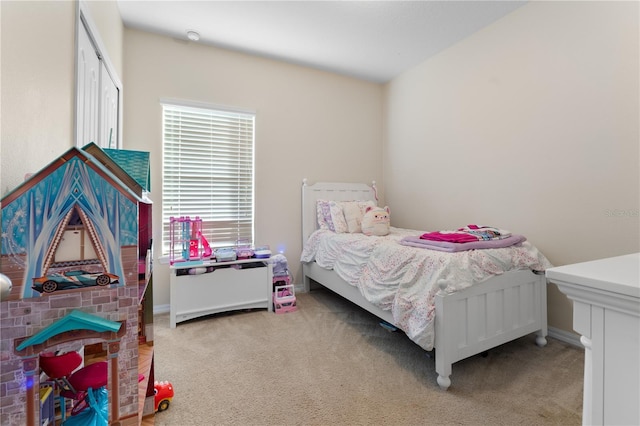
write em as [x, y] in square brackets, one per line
[208, 213]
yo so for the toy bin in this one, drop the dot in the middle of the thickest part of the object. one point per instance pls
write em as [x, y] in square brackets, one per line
[284, 299]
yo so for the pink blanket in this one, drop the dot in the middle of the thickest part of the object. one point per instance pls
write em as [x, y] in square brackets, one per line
[455, 247]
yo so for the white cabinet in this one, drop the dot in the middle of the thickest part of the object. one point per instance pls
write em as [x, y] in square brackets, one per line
[242, 284]
[606, 312]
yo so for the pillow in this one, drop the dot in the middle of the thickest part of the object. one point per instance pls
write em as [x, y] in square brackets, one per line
[353, 213]
[341, 216]
[337, 217]
[324, 215]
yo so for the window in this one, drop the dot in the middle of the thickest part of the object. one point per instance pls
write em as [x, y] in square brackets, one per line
[208, 162]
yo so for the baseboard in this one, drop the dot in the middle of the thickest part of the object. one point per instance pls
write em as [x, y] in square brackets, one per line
[165, 309]
[556, 333]
[565, 336]
[161, 309]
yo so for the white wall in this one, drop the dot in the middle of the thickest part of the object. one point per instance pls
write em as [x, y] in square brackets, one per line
[106, 17]
[531, 124]
[37, 86]
[38, 80]
[309, 124]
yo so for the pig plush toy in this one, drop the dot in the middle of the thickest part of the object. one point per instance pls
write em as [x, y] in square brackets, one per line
[376, 221]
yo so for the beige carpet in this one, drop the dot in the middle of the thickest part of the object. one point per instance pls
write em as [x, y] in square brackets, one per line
[330, 363]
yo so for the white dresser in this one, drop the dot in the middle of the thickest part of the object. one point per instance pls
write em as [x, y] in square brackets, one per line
[606, 312]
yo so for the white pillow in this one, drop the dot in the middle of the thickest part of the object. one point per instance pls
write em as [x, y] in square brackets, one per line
[323, 213]
[337, 217]
[353, 213]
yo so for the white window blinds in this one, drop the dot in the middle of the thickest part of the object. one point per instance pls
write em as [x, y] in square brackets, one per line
[208, 172]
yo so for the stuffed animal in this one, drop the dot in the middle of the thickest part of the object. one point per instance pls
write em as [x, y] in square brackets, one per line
[376, 221]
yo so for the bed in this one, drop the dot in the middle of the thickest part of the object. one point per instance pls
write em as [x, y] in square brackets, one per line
[458, 304]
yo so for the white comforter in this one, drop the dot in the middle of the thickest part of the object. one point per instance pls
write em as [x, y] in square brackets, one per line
[404, 279]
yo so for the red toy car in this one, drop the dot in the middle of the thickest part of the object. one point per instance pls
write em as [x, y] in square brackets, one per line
[163, 395]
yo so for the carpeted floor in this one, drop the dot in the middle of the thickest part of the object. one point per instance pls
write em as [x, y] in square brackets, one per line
[331, 363]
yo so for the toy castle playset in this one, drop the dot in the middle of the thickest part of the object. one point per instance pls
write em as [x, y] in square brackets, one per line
[75, 240]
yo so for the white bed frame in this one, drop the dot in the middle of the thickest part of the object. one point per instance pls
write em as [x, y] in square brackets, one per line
[467, 322]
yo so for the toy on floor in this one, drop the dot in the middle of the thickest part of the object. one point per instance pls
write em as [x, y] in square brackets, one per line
[284, 299]
[163, 395]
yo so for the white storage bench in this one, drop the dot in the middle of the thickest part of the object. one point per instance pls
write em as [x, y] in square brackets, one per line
[229, 286]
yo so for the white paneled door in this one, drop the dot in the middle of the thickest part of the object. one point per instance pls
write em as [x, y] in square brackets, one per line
[88, 90]
[108, 137]
[98, 92]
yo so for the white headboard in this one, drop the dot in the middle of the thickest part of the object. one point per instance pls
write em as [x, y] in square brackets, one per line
[330, 191]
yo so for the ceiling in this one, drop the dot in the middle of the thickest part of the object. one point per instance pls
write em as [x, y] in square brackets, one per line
[370, 40]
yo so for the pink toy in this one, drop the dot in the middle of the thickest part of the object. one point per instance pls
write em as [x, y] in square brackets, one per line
[244, 249]
[284, 299]
[281, 280]
[74, 385]
[93, 376]
[206, 252]
[187, 243]
[193, 249]
[59, 366]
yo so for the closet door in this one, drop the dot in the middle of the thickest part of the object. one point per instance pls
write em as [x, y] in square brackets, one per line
[88, 102]
[108, 111]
